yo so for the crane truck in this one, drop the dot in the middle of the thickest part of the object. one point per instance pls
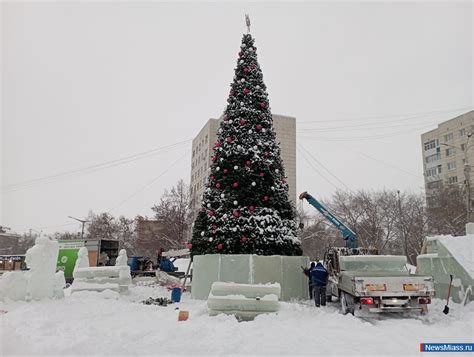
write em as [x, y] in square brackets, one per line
[365, 282]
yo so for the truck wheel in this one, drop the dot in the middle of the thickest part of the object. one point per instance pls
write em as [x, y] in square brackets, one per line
[346, 306]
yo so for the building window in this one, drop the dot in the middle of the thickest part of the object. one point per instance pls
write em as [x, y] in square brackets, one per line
[432, 158]
[452, 179]
[452, 166]
[464, 162]
[206, 138]
[448, 137]
[431, 172]
[463, 147]
[430, 145]
[439, 169]
[462, 132]
[433, 185]
[450, 152]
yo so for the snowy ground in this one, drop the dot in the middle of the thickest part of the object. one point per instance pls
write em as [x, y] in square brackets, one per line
[97, 324]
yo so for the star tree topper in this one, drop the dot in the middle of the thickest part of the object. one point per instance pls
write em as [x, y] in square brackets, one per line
[247, 21]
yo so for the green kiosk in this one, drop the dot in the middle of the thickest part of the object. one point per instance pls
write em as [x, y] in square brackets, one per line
[101, 252]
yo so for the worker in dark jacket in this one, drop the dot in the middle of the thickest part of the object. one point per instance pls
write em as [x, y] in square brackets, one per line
[319, 278]
[167, 265]
[307, 272]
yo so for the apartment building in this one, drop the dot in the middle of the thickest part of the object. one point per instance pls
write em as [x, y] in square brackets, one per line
[446, 150]
[285, 130]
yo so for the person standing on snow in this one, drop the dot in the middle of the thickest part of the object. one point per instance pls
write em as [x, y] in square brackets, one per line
[307, 272]
[319, 279]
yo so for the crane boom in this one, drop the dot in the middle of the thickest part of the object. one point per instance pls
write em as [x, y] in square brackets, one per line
[348, 234]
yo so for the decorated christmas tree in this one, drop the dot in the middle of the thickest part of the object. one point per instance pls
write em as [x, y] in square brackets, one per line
[245, 207]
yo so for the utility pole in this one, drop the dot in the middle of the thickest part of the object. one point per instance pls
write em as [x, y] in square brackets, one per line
[467, 176]
[83, 221]
[402, 226]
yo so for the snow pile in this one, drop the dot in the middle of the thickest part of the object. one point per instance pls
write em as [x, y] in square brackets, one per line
[41, 280]
[87, 324]
[461, 248]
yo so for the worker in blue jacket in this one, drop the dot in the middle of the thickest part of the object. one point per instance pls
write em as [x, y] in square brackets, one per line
[319, 278]
[167, 265]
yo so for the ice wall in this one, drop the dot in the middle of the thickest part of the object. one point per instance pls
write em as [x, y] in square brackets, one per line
[250, 269]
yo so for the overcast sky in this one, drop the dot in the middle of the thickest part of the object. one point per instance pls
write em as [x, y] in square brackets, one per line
[88, 83]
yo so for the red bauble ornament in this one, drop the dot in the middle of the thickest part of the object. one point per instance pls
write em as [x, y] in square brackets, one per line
[283, 181]
[229, 139]
[243, 121]
[258, 127]
[246, 70]
[251, 208]
[190, 246]
[254, 48]
[263, 105]
[235, 185]
[236, 214]
[266, 198]
[211, 213]
[214, 227]
[231, 93]
[248, 163]
[212, 178]
[218, 185]
[220, 246]
[243, 239]
[225, 171]
[261, 174]
[266, 154]
[246, 91]
[241, 54]
[213, 158]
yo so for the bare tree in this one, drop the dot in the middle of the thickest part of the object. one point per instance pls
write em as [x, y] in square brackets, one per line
[446, 211]
[173, 216]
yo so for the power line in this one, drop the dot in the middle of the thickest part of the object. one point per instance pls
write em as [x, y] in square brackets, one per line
[324, 167]
[93, 168]
[387, 116]
[149, 183]
[365, 126]
[359, 138]
[380, 161]
[314, 168]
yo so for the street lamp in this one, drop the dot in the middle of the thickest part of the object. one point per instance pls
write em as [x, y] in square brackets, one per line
[467, 174]
[83, 221]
